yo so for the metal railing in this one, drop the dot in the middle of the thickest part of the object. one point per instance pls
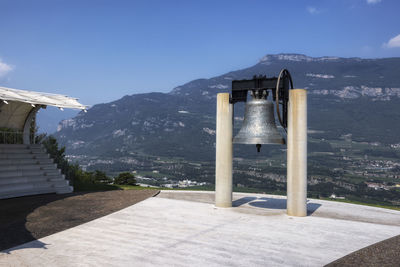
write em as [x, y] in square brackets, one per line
[14, 137]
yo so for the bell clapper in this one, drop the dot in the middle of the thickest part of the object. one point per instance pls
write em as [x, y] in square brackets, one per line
[258, 147]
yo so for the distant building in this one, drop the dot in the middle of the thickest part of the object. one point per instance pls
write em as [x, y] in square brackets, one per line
[333, 196]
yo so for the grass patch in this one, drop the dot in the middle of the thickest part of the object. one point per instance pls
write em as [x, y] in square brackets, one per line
[135, 187]
[151, 174]
[89, 187]
[377, 205]
[192, 188]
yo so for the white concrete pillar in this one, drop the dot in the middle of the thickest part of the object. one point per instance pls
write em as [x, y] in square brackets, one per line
[224, 152]
[297, 153]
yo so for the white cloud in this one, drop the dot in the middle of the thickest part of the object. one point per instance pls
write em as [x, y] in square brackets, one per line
[394, 42]
[5, 68]
[313, 10]
[373, 2]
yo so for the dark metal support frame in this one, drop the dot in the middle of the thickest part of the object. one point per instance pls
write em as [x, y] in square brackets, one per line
[260, 86]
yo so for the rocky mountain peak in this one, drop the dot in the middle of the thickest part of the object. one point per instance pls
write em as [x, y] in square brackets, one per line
[295, 57]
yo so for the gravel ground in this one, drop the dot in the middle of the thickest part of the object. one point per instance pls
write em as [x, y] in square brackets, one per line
[28, 218]
[384, 253]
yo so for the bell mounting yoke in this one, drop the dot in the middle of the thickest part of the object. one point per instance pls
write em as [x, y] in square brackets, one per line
[259, 87]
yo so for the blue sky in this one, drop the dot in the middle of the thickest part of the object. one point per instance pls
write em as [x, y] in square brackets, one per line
[99, 50]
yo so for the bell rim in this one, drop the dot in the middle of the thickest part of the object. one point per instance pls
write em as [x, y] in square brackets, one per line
[261, 141]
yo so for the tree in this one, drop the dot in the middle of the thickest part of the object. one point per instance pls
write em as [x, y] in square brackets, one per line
[72, 171]
[57, 154]
[51, 145]
[101, 177]
[125, 178]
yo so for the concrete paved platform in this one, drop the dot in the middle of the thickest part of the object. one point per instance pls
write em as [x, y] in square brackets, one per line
[170, 230]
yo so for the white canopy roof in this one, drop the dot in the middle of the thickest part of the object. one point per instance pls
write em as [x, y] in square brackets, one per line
[39, 98]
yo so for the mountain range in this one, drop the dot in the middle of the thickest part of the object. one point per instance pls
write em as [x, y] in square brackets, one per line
[346, 96]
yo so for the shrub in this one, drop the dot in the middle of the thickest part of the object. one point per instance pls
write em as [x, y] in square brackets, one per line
[101, 177]
[125, 178]
[80, 179]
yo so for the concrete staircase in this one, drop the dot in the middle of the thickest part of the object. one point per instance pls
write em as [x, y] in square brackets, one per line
[28, 170]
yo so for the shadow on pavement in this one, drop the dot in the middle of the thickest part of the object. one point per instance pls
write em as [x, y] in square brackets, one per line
[271, 203]
[242, 201]
[14, 218]
[32, 244]
[312, 207]
[28, 218]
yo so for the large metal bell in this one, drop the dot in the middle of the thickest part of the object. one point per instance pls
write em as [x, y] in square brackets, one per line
[259, 125]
